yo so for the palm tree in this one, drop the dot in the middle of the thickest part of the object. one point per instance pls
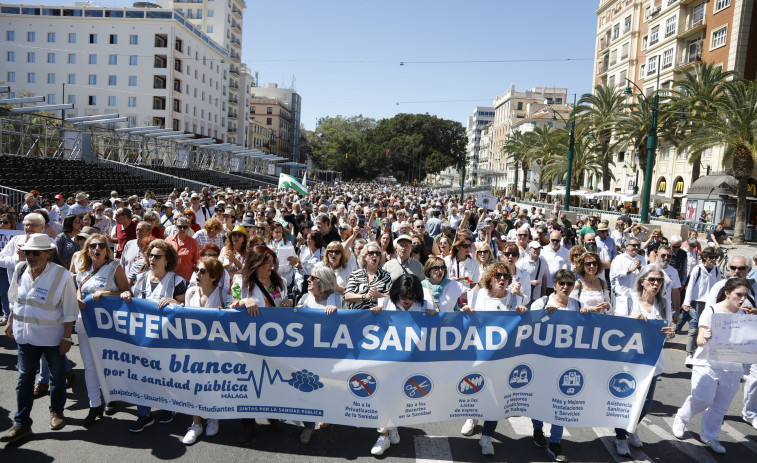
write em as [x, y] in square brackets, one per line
[544, 142]
[605, 104]
[695, 92]
[585, 159]
[731, 122]
[516, 150]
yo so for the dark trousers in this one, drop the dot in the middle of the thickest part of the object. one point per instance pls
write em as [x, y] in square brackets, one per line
[28, 361]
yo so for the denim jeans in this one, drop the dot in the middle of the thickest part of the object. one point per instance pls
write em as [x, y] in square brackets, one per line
[621, 433]
[44, 370]
[4, 285]
[28, 360]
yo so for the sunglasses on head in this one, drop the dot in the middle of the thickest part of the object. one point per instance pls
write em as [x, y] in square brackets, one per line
[97, 245]
[32, 253]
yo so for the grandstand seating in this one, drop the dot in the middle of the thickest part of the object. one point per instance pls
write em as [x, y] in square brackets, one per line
[51, 176]
[208, 176]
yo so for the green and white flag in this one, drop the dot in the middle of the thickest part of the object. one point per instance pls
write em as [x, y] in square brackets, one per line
[287, 181]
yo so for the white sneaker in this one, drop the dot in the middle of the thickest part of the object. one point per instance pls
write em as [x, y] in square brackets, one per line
[381, 445]
[211, 427]
[192, 434]
[468, 427]
[679, 428]
[689, 361]
[621, 447]
[715, 446]
[394, 436]
[634, 440]
[486, 445]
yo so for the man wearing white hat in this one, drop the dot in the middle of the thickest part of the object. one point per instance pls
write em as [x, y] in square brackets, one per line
[44, 308]
[82, 204]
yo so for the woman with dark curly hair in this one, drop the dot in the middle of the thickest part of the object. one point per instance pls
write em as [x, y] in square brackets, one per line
[590, 290]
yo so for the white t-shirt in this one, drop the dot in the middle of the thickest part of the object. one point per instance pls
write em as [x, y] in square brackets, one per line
[334, 299]
[555, 261]
[653, 315]
[705, 319]
[386, 304]
[450, 294]
[544, 301]
[481, 301]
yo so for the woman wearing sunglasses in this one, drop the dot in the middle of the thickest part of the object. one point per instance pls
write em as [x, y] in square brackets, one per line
[369, 282]
[591, 291]
[100, 275]
[444, 294]
[234, 252]
[209, 293]
[460, 265]
[491, 295]
[65, 242]
[647, 303]
[483, 256]
[157, 282]
[340, 263]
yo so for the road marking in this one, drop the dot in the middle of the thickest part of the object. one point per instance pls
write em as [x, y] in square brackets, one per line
[523, 426]
[432, 449]
[689, 446]
[607, 437]
[739, 437]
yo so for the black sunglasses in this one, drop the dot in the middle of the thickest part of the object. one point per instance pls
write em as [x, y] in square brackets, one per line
[655, 280]
[438, 267]
[740, 267]
[97, 245]
[511, 254]
[200, 271]
[502, 275]
[182, 227]
[566, 283]
[32, 253]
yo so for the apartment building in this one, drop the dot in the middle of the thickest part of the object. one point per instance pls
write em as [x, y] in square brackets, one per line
[291, 102]
[148, 64]
[222, 21]
[509, 108]
[271, 114]
[645, 40]
[476, 175]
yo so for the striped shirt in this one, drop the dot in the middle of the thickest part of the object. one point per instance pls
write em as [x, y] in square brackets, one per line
[358, 283]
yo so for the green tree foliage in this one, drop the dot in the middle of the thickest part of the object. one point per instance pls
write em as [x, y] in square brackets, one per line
[357, 146]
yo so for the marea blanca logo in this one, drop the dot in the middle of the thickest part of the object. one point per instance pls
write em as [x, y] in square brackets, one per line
[571, 382]
[302, 380]
[520, 376]
[622, 385]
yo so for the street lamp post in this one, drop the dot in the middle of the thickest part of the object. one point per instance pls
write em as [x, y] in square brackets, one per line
[571, 150]
[462, 178]
[651, 145]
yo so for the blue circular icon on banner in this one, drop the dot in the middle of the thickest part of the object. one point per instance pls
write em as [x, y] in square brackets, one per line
[363, 385]
[520, 376]
[571, 382]
[417, 387]
[622, 385]
[470, 384]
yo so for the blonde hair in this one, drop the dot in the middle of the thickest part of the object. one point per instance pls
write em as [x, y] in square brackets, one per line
[86, 262]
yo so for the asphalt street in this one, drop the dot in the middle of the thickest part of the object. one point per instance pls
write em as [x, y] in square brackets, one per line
[109, 440]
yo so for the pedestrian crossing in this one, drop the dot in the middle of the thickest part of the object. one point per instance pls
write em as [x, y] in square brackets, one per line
[438, 449]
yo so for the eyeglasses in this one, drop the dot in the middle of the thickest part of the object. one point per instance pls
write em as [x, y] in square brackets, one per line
[590, 264]
[675, 246]
[4, 222]
[740, 267]
[566, 283]
[499, 276]
[182, 227]
[407, 298]
[465, 245]
[522, 235]
[511, 254]
[200, 271]
[156, 256]
[312, 278]
[136, 208]
[555, 241]
[657, 280]
[236, 235]
[633, 245]
[439, 268]
[99, 210]
[482, 252]
[97, 245]
[373, 253]
[333, 251]
[32, 253]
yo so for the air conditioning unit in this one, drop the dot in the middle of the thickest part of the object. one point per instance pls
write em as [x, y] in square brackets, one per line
[654, 10]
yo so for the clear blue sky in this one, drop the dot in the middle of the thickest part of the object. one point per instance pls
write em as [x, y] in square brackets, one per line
[345, 55]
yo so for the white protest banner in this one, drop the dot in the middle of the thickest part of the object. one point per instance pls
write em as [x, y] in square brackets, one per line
[359, 368]
[487, 201]
[734, 338]
[6, 235]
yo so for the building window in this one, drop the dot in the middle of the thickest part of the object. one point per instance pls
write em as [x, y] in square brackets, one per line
[72, 79]
[721, 4]
[210, 13]
[31, 57]
[719, 37]
[132, 121]
[269, 120]
[210, 29]
[520, 106]
[92, 38]
[652, 65]
[51, 37]
[627, 24]
[113, 39]
[51, 98]
[111, 80]
[51, 58]
[132, 101]
[92, 79]
[644, 41]
[10, 36]
[92, 100]
[31, 77]
[654, 35]
[72, 58]
[133, 60]
[31, 37]
[616, 31]
[269, 110]
[50, 78]
[72, 37]
[93, 59]
[670, 26]
[11, 76]
[667, 58]
[133, 39]
[72, 99]
[111, 101]
[132, 81]
[113, 59]
[11, 56]
[252, 109]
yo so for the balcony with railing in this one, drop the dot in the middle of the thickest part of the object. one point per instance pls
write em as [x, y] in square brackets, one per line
[233, 100]
[693, 26]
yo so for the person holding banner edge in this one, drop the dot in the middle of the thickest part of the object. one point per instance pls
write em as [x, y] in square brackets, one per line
[258, 285]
